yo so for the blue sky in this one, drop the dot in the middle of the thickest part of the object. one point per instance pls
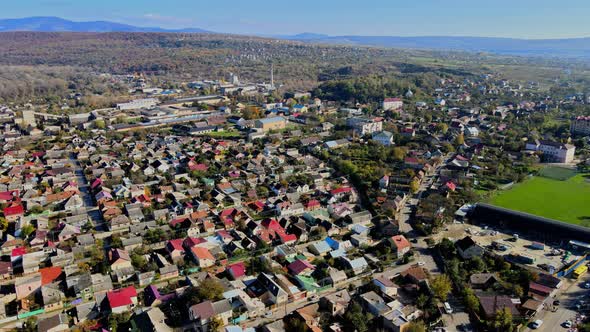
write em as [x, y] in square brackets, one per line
[497, 18]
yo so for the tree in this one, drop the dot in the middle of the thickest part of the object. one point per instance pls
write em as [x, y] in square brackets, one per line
[295, 324]
[415, 326]
[116, 242]
[441, 286]
[100, 124]
[27, 230]
[138, 261]
[215, 324]
[356, 319]
[3, 224]
[210, 289]
[471, 301]
[442, 128]
[517, 290]
[421, 301]
[399, 153]
[460, 139]
[502, 320]
[414, 185]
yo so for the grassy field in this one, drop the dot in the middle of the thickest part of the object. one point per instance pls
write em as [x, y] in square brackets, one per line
[566, 200]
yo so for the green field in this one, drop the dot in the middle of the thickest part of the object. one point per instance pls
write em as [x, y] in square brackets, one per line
[565, 200]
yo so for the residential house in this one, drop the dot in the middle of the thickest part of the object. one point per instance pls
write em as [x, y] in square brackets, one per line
[336, 303]
[467, 248]
[202, 257]
[400, 244]
[386, 286]
[122, 300]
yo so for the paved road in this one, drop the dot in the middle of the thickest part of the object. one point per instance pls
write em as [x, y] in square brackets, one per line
[406, 213]
[453, 322]
[569, 297]
[86, 195]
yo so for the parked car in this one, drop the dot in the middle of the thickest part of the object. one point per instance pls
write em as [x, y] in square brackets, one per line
[536, 324]
[448, 308]
[567, 324]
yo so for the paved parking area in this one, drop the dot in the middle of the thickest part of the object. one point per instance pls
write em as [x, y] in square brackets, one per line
[522, 245]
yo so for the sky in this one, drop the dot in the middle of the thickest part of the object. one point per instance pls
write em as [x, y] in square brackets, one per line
[497, 18]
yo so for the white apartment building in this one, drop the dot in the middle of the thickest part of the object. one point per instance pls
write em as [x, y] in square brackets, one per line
[392, 104]
[553, 152]
[364, 126]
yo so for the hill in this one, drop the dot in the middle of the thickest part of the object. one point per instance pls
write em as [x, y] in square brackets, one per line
[573, 47]
[55, 24]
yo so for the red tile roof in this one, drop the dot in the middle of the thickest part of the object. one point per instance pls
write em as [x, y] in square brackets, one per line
[190, 242]
[18, 251]
[340, 190]
[175, 244]
[202, 253]
[237, 270]
[121, 297]
[49, 274]
[400, 242]
[14, 211]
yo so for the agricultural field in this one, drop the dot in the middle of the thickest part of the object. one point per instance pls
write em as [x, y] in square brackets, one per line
[556, 193]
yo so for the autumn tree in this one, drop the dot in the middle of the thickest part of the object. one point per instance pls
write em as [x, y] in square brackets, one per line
[502, 320]
[441, 286]
[415, 326]
[414, 185]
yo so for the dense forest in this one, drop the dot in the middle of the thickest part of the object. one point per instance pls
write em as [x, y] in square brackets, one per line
[76, 60]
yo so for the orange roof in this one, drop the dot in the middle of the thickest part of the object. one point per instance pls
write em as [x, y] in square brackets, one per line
[400, 241]
[202, 253]
[49, 274]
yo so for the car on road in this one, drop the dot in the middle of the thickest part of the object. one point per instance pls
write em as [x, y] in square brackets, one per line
[421, 263]
[556, 302]
[268, 314]
[414, 240]
[567, 324]
[536, 324]
[465, 328]
[448, 308]
[586, 285]
[314, 297]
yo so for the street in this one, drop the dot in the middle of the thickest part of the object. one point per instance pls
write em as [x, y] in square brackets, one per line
[569, 297]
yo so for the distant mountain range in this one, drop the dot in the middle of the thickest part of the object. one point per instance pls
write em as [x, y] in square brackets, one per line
[573, 47]
[56, 24]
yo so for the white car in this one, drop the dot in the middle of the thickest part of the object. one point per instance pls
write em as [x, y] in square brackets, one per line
[268, 314]
[536, 324]
[448, 308]
[567, 324]
[421, 263]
